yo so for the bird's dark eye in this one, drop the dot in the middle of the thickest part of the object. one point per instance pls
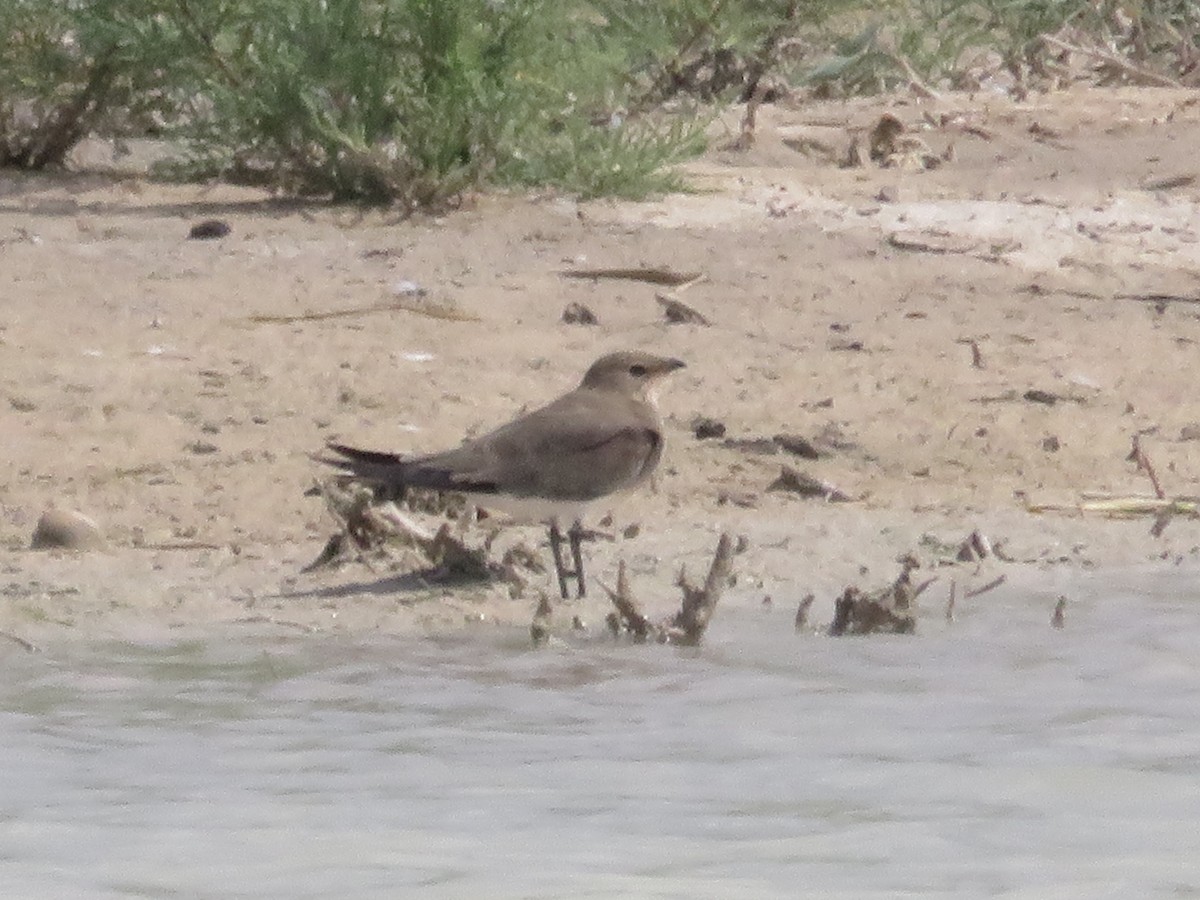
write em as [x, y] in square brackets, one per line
[637, 370]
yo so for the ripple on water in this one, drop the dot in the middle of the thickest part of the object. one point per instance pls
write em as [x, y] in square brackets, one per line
[995, 756]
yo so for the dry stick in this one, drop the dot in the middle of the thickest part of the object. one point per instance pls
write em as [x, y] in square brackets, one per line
[650, 274]
[1138, 455]
[950, 602]
[539, 628]
[698, 605]
[802, 611]
[432, 312]
[920, 588]
[976, 355]
[1125, 66]
[991, 585]
[1059, 619]
[627, 608]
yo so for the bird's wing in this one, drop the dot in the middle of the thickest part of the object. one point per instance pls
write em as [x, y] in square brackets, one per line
[580, 447]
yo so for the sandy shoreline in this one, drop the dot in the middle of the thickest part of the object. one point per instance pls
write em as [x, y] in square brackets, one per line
[136, 386]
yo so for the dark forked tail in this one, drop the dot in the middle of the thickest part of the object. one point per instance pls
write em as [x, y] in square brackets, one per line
[369, 465]
[391, 470]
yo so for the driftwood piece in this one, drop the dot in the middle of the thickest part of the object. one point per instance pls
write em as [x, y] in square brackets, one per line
[699, 603]
[687, 626]
[628, 616]
[370, 528]
[886, 611]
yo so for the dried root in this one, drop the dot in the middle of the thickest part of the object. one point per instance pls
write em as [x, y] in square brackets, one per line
[887, 611]
[371, 529]
[688, 625]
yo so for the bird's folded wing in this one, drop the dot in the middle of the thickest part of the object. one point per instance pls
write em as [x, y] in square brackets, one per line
[566, 456]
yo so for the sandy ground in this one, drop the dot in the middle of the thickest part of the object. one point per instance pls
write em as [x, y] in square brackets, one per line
[135, 385]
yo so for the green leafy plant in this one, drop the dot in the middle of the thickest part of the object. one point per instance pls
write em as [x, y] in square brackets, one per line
[66, 69]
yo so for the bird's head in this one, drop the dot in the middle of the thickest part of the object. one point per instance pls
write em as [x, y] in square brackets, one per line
[631, 372]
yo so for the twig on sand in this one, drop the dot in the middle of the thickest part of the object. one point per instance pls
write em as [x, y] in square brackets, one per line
[651, 275]
[1138, 455]
[413, 305]
[1160, 506]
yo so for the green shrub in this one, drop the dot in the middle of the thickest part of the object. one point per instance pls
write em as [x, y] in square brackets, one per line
[410, 100]
[65, 69]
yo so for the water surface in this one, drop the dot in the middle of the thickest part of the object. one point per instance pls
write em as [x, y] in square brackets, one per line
[995, 757]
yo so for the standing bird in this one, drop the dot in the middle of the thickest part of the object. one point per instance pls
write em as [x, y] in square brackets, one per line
[605, 437]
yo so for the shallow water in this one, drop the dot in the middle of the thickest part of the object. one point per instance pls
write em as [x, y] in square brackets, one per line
[992, 757]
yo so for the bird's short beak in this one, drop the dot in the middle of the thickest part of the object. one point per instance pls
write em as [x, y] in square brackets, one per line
[673, 364]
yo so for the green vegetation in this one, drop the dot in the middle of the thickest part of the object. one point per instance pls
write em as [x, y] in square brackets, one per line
[414, 101]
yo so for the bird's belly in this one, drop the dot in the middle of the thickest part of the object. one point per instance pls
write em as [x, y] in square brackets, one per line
[531, 509]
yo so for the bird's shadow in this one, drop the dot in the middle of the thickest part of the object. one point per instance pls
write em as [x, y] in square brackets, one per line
[408, 588]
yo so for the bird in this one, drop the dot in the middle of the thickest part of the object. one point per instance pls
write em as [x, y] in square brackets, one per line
[603, 438]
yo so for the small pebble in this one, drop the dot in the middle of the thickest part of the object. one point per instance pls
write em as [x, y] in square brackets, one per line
[578, 314]
[209, 229]
[704, 427]
[66, 529]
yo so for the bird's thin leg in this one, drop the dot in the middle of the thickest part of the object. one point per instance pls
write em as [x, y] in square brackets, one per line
[556, 541]
[576, 536]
